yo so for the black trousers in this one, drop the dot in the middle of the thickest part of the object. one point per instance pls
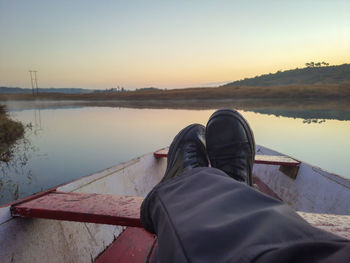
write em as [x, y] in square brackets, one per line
[204, 215]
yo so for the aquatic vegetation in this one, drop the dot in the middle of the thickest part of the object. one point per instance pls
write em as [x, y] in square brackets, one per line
[10, 131]
[16, 174]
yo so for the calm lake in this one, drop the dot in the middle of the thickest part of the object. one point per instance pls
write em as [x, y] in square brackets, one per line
[65, 143]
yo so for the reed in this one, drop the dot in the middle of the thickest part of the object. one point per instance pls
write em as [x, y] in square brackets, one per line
[10, 131]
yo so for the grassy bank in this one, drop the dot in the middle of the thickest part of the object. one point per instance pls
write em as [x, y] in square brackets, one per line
[10, 131]
[318, 91]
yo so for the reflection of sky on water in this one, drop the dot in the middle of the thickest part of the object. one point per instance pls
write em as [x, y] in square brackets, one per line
[74, 142]
[16, 177]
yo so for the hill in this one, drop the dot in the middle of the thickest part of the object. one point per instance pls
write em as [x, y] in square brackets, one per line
[310, 75]
[316, 82]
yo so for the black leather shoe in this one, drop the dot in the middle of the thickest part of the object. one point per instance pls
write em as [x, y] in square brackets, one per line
[187, 151]
[230, 144]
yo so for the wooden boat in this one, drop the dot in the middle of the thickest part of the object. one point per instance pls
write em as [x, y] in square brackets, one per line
[96, 218]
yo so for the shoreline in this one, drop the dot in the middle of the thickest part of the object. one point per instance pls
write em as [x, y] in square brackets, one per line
[296, 92]
[244, 104]
[307, 108]
[10, 132]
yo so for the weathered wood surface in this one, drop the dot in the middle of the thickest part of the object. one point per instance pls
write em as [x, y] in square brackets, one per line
[161, 153]
[56, 241]
[276, 160]
[259, 159]
[314, 190]
[336, 224]
[134, 245]
[91, 208]
[125, 210]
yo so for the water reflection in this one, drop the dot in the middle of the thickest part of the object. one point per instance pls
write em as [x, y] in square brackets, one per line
[37, 121]
[302, 108]
[66, 143]
[16, 175]
[316, 115]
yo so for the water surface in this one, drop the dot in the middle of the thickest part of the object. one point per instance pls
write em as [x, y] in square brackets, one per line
[66, 143]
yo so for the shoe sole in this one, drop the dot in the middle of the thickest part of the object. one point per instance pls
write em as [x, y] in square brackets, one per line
[242, 120]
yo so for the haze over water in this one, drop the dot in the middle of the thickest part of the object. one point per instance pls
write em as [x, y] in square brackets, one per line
[67, 143]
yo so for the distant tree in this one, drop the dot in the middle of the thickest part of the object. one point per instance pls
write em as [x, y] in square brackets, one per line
[311, 64]
[317, 64]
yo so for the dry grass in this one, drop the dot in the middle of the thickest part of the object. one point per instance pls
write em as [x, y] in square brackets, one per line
[228, 92]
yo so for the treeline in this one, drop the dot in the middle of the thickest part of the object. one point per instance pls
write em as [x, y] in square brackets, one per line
[18, 90]
[316, 64]
[313, 73]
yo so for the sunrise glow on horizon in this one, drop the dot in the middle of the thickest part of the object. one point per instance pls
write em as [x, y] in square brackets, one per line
[165, 44]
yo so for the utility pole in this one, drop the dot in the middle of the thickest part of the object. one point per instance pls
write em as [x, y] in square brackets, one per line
[34, 81]
[31, 81]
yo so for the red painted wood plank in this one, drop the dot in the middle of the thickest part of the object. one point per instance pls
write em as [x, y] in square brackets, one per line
[276, 160]
[259, 159]
[161, 153]
[91, 208]
[28, 198]
[134, 245]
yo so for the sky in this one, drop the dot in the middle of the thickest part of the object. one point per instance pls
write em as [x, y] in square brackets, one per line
[166, 44]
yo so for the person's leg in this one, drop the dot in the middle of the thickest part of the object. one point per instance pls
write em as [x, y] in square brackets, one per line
[201, 214]
[205, 216]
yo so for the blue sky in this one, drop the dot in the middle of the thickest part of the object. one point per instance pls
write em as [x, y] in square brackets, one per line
[167, 44]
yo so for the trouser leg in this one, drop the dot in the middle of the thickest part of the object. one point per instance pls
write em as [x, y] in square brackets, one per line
[205, 216]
